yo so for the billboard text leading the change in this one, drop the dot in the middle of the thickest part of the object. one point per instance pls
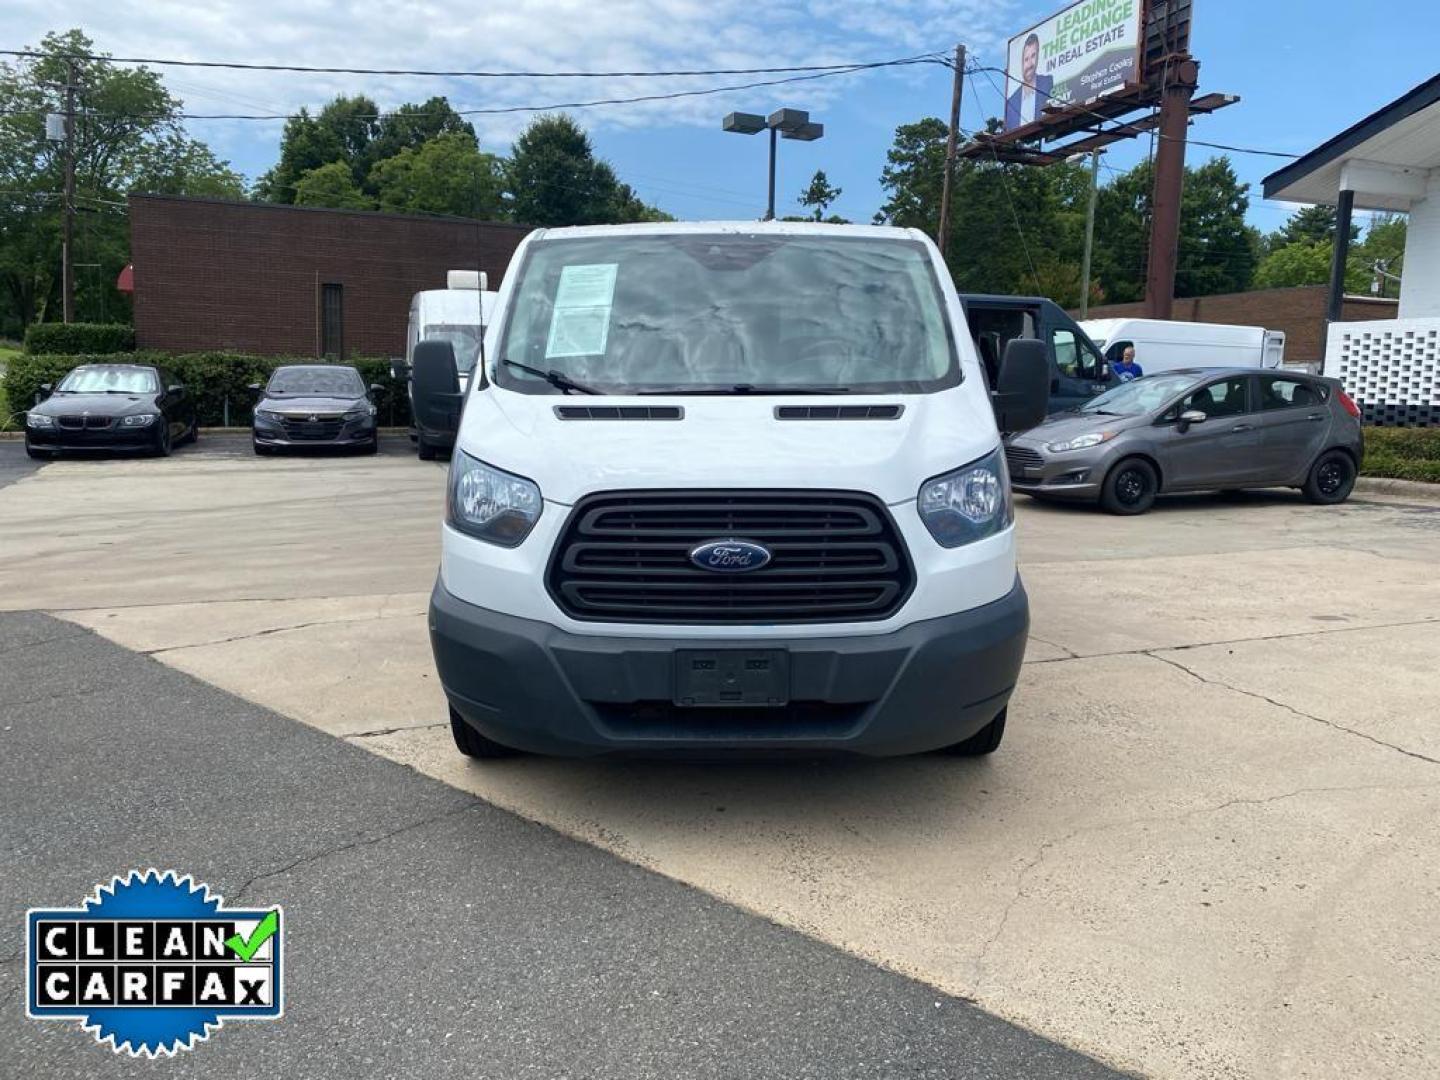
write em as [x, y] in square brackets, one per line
[1089, 49]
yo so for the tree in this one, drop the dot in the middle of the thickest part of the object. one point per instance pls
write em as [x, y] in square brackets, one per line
[554, 178]
[331, 185]
[128, 139]
[818, 195]
[1311, 224]
[410, 127]
[1302, 262]
[912, 177]
[446, 174]
[342, 131]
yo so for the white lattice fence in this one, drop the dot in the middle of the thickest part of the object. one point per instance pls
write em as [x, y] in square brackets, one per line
[1391, 367]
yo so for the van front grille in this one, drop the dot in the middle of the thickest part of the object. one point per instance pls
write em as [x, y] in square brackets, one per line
[625, 557]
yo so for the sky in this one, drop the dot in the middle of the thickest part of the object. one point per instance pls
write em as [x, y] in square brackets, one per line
[1303, 70]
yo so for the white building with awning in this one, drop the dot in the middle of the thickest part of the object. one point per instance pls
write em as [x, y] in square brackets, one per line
[1388, 161]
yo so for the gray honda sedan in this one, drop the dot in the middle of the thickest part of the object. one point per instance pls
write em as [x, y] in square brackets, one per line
[1194, 430]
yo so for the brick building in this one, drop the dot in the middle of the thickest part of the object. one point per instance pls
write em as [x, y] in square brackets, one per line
[291, 280]
[1298, 311]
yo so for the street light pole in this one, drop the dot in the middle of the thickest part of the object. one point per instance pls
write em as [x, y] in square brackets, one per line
[1089, 234]
[770, 202]
[784, 123]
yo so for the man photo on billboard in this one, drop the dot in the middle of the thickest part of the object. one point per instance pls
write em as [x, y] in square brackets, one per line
[1024, 105]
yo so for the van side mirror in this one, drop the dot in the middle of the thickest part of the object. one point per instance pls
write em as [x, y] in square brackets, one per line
[435, 385]
[1021, 398]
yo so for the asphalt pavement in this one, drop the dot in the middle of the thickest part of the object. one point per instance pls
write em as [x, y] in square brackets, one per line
[428, 932]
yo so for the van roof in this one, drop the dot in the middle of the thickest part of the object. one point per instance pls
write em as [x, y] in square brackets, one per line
[717, 228]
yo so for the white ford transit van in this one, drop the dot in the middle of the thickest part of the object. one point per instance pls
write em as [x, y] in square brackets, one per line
[1166, 345]
[730, 487]
[457, 314]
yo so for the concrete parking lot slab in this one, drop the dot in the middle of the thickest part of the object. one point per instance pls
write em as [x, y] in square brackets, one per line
[1208, 847]
[429, 934]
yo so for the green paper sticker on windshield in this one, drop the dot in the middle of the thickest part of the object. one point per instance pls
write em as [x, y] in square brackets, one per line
[580, 323]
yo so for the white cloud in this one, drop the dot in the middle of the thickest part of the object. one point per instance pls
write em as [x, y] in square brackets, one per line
[521, 35]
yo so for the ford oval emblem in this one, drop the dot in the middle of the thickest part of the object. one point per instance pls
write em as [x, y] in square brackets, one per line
[730, 556]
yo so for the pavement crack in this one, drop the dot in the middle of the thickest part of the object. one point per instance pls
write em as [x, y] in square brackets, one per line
[392, 730]
[350, 845]
[1290, 708]
[1429, 620]
[1070, 654]
[268, 631]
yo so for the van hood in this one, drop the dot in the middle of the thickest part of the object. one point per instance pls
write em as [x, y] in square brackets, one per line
[727, 442]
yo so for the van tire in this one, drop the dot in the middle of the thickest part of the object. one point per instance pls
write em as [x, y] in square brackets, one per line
[1130, 487]
[984, 741]
[424, 449]
[1331, 479]
[472, 744]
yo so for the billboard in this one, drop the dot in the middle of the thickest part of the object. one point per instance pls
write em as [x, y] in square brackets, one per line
[1089, 49]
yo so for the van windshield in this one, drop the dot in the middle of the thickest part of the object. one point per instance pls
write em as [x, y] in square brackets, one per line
[465, 340]
[727, 313]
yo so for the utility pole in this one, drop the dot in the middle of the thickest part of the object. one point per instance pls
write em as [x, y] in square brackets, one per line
[1178, 87]
[1089, 233]
[67, 240]
[944, 231]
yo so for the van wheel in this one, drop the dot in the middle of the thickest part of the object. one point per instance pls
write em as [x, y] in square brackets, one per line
[984, 741]
[472, 744]
[1331, 479]
[424, 449]
[1130, 487]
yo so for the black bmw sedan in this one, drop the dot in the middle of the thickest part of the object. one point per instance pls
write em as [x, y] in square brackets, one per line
[314, 405]
[111, 407]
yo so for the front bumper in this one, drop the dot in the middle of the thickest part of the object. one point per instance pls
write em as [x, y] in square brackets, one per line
[114, 438]
[1074, 474]
[534, 687]
[351, 433]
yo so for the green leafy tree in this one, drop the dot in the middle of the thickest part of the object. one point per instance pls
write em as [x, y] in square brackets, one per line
[1301, 262]
[411, 126]
[342, 131]
[331, 185]
[554, 178]
[446, 174]
[128, 138]
[1311, 224]
[818, 195]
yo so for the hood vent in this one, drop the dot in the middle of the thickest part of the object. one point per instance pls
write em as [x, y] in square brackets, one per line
[838, 412]
[619, 412]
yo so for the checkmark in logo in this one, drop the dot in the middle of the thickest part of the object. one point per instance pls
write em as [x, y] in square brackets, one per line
[246, 948]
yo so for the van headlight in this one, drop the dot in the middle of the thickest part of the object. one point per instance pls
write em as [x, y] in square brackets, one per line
[969, 504]
[491, 505]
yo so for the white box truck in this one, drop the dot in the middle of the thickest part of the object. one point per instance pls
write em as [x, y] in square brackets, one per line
[458, 314]
[1165, 345]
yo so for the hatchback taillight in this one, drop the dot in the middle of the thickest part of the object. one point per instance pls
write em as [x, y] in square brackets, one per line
[1348, 403]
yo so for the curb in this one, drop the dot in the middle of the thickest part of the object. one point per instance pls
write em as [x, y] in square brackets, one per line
[1410, 489]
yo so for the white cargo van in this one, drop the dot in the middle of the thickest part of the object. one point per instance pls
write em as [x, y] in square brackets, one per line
[455, 314]
[1164, 345]
[730, 487]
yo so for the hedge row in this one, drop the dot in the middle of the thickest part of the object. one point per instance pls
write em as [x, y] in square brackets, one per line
[1403, 453]
[211, 378]
[79, 339]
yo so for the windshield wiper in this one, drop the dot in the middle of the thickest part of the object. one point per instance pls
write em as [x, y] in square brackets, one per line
[747, 388]
[557, 379]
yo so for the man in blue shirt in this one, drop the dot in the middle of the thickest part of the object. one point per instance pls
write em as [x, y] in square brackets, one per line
[1127, 369]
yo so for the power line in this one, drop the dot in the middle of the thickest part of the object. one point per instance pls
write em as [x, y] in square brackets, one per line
[509, 109]
[919, 58]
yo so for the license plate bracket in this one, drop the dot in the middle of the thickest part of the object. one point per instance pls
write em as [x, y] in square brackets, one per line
[730, 678]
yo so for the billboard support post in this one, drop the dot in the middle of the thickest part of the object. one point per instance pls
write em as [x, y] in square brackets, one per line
[944, 230]
[1169, 188]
